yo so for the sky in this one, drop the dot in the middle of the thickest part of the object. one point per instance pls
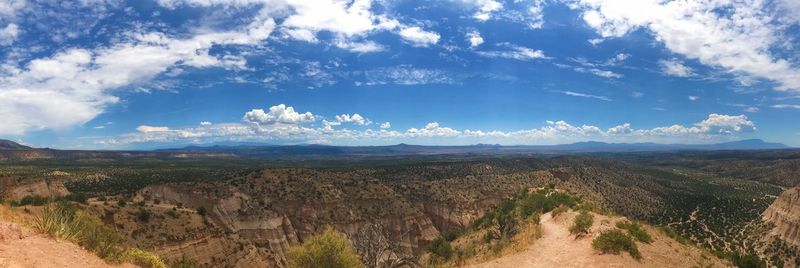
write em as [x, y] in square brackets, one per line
[109, 74]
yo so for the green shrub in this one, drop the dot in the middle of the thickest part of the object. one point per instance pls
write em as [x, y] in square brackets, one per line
[441, 247]
[615, 242]
[635, 229]
[184, 263]
[66, 222]
[143, 215]
[201, 211]
[143, 258]
[559, 210]
[121, 203]
[582, 223]
[76, 197]
[671, 233]
[328, 249]
[33, 200]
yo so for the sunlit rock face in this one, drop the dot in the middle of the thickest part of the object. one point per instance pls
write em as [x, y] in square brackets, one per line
[784, 214]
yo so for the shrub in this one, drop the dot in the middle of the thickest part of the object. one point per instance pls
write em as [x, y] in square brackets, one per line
[143, 215]
[635, 230]
[76, 197]
[441, 247]
[328, 249]
[671, 233]
[614, 242]
[121, 203]
[201, 211]
[66, 222]
[582, 223]
[184, 263]
[143, 258]
[560, 209]
[451, 234]
[33, 200]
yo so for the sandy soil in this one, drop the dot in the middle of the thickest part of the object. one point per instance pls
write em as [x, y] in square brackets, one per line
[558, 248]
[21, 247]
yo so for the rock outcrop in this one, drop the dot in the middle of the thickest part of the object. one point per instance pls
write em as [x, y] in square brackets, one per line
[44, 188]
[784, 215]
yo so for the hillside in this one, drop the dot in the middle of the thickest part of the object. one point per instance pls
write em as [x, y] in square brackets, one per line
[22, 247]
[559, 248]
[8, 145]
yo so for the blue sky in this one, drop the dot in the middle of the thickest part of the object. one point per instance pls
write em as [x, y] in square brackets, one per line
[149, 74]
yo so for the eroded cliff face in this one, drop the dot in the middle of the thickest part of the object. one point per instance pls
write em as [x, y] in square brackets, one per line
[252, 220]
[784, 215]
[44, 188]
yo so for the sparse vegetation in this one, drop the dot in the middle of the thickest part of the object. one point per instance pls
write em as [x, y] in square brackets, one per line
[614, 242]
[67, 222]
[328, 249]
[583, 222]
[636, 231]
[441, 247]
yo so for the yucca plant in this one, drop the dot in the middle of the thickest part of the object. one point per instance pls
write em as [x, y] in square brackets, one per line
[58, 220]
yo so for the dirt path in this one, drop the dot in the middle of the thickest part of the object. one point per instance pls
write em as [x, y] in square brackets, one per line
[558, 248]
[22, 248]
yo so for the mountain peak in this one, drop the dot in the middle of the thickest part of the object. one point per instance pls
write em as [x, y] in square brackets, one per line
[9, 145]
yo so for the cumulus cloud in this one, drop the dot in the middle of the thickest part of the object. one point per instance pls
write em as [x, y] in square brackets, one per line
[675, 67]
[205, 123]
[484, 8]
[474, 38]
[278, 114]
[694, 98]
[9, 34]
[716, 127]
[419, 37]
[738, 40]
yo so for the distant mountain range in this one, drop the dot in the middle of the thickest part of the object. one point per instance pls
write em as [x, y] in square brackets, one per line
[7, 144]
[270, 151]
[11, 150]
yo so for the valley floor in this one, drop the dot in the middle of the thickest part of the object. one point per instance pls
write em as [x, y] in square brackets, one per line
[558, 248]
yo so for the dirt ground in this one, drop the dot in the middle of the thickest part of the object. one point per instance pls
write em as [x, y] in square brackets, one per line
[23, 248]
[558, 248]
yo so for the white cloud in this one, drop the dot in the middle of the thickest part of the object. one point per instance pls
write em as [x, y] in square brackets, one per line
[9, 34]
[515, 52]
[751, 109]
[282, 125]
[786, 106]
[694, 98]
[474, 38]
[278, 114]
[419, 37]
[205, 123]
[739, 39]
[75, 85]
[675, 67]
[485, 8]
[404, 75]
[360, 47]
[582, 95]
[148, 129]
